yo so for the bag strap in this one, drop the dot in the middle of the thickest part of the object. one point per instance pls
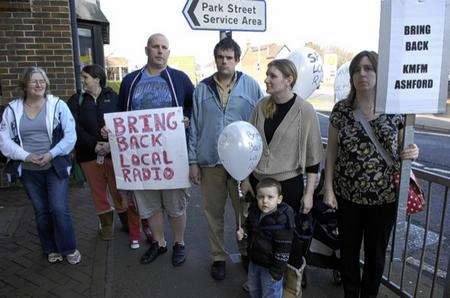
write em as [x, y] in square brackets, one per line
[368, 129]
[171, 86]
[80, 99]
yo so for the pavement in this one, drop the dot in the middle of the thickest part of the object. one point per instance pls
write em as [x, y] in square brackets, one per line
[111, 268]
[323, 102]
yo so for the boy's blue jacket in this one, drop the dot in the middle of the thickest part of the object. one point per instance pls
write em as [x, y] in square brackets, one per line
[180, 86]
[209, 118]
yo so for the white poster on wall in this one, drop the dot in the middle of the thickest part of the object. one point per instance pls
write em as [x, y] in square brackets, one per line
[148, 149]
[413, 62]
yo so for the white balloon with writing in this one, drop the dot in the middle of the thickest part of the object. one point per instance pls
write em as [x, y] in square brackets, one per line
[342, 82]
[309, 66]
[240, 148]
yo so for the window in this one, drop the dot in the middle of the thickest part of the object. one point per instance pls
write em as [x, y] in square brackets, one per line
[86, 46]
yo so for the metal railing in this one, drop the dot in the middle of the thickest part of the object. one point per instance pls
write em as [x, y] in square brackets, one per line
[425, 280]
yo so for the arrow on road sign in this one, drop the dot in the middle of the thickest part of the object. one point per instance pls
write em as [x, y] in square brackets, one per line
[191, 12]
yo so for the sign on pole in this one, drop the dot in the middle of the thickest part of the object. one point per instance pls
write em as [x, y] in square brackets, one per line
[413, 57]
[412, 78]
[148, 149]
[226, 15]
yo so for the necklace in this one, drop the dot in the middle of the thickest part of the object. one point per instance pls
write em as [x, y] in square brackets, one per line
[34, 107]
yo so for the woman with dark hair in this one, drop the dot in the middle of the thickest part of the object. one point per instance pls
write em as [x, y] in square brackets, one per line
[37, 135]
[359, 182]
[92, 152]
[292, 147]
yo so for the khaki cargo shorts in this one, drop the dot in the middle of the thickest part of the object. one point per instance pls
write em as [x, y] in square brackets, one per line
[171, 201]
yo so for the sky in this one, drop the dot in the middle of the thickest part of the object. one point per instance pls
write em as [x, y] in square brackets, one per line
[349, 24]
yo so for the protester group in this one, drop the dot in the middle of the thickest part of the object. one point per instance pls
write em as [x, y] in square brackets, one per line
[44, 138]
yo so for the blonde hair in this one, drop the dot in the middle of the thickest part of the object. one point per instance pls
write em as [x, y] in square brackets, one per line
[287, 69]
[26, 76]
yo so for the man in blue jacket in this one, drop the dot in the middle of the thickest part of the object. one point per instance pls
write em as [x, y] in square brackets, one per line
[225, 97]
[158, 86]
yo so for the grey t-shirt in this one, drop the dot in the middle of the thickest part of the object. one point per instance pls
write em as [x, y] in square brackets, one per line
[151, 92]
[35, 137]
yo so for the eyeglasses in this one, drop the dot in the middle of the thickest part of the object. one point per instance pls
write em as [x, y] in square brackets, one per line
[37, 82]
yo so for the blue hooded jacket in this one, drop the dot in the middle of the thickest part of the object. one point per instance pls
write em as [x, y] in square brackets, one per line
[180, 86]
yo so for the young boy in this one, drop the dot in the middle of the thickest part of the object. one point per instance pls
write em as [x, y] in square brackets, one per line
[270, 226]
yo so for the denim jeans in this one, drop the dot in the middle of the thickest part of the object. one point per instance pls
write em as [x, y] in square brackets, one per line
[261, 284]
[49, 196]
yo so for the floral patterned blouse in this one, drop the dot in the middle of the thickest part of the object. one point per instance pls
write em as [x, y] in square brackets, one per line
[360, 174]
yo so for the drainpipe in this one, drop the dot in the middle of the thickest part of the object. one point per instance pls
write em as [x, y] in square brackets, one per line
[75, 45]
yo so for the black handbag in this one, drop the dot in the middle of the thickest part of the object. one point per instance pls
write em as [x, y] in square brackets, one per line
[11, 169]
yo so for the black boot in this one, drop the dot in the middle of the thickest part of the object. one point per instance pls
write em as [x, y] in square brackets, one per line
[107, 225]
[123, 216]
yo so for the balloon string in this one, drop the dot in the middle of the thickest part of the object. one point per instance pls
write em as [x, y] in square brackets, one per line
[241, 196]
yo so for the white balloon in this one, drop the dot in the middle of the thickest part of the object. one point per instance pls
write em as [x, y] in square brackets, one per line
[240, 148]
[342, 82]
[309, 66]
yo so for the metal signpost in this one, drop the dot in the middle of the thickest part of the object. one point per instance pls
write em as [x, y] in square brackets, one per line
[226, 15]
[412, 76]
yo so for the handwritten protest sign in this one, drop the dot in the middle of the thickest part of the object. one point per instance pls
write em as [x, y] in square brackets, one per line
[148, 149]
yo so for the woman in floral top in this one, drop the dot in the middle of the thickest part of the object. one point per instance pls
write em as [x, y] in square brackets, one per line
[359, 181]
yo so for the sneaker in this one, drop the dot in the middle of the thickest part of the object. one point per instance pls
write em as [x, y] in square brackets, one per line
[54, 257]
[178, 254]
[134, 244]
[218, 270]
[74, 258]
[152, 253]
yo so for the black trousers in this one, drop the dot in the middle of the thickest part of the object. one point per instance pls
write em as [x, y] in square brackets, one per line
[374, 225]
[292, 191]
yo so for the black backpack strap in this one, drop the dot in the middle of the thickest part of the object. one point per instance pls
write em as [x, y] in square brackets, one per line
[80, 99]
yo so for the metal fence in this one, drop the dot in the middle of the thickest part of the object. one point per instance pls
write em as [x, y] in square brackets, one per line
[423, 271]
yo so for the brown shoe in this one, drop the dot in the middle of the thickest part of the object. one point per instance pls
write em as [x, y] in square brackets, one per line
[107, 226]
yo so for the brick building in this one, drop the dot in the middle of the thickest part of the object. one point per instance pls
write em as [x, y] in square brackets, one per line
[40, 33]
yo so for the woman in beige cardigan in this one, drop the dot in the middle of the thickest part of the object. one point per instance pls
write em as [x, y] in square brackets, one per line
[292, 144]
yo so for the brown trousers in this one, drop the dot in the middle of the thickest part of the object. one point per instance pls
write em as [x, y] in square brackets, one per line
[216, 186]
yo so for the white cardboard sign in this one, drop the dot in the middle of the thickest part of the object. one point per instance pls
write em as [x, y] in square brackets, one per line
[413, 61]
[148, 149]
